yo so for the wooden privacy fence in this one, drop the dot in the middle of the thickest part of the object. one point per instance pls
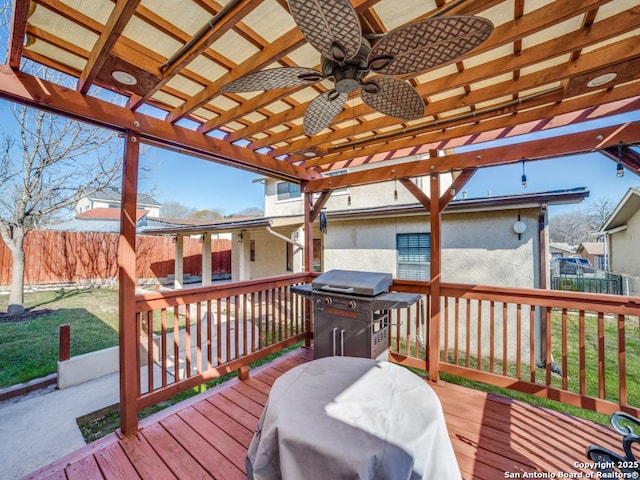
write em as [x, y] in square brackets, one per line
[70, 257]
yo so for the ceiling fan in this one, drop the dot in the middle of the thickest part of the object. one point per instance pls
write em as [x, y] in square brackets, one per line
[332, 27]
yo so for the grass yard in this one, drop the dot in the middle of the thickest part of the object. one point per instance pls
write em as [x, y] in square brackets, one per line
[29, 348]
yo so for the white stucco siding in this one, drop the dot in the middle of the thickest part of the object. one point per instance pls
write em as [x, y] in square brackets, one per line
[270, 255]
[482, 248]
[368, 245]
[624, 247]
[477, 248]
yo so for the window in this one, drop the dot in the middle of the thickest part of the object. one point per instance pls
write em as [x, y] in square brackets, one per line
[414, 255]
[252, 250]
[287, 191]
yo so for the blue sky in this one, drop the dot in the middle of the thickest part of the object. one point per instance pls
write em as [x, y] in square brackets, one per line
[202, 184]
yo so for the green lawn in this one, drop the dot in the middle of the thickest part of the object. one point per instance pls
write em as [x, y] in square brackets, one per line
[29, 348]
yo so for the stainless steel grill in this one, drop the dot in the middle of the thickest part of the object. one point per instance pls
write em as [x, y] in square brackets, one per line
[351, 312]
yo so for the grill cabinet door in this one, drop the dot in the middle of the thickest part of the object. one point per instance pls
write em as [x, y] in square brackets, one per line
[335, 335]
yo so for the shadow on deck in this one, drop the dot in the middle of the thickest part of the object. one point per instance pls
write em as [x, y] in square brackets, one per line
[208, 435]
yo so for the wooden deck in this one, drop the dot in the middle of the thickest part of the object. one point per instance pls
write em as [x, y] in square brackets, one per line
[207, 436]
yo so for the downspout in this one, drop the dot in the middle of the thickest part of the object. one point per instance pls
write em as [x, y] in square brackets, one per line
[541, 325]
[286, 239]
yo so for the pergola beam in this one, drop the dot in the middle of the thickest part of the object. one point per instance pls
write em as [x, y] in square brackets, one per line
[570, 144]
[38, 93]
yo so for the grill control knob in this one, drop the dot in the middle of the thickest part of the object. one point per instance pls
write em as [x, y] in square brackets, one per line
[352, 304]
[328, 300]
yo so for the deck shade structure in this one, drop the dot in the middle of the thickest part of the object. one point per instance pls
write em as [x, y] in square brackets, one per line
[163, 73]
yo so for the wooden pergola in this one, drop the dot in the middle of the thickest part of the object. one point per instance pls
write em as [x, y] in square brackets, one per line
[545, 64]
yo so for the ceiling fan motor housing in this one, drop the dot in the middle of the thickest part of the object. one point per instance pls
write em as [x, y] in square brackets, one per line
[347, 75]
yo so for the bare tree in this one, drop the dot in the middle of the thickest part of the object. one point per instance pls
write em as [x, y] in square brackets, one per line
[600, 210]
[174, 209]
[576, 226]
[43, 167]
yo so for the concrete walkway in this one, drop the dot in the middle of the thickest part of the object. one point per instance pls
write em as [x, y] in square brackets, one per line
[40, 428]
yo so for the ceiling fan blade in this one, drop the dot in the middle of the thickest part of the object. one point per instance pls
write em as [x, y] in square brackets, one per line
[322, 110]
[330, 26]
[393, 97]
[427, 44]
[274, 78]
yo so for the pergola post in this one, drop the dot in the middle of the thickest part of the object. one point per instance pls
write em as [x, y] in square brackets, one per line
[206, 258]
[178, 281]
[308, 232]
[128, 330]
[433, 354]
[308, 259]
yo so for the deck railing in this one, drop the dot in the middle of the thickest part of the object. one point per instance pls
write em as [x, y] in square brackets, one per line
[194, 335]
[577, 348]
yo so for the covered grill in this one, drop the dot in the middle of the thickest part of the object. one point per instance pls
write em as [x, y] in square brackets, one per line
[351, 312]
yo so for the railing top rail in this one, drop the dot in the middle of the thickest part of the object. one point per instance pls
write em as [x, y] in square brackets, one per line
[155, 300]
[618, 304]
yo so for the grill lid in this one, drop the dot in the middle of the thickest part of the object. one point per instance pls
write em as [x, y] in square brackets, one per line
[353, 282]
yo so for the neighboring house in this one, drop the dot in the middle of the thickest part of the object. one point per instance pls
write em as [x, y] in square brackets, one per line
[383, 228]
[105, 220]
[594, 252]
[621, 234]
[560, 249]
[111, 199]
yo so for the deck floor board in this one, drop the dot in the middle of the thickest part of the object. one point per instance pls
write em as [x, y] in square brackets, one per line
[207, 436]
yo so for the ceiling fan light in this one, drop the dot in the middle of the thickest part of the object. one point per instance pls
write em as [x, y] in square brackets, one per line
[381, 62]
[333, 95]
[310, 77]
[371, 87]
[337, 52]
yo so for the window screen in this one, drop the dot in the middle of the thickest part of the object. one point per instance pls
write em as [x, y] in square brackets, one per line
[414, 255]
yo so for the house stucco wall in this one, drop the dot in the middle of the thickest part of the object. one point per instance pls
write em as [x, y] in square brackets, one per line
[477, 247]
[623, 248]
[270, 255]
[377, 195]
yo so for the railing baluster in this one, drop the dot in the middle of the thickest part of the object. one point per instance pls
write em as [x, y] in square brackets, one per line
[548, 335]
[219, 332]
[582, 360]
[253, 322]
[199, 337]
[505, 342]
[228, 328]
[467, 360]
[456, 331]
[209, 337]
[149, 351]
[519, 341]
[565, 349]
[407, 337]
[601, 352]
[187, 339]
[622, 361]
[176, 344]
[236, 320]
[163, 341]
[479, 334]
[261, 328]
[532, 344]
[446, 330]
[492, 335]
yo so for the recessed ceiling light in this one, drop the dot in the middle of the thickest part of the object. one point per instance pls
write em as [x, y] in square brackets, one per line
[601, 79]
[310, 154]
[124, 77]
